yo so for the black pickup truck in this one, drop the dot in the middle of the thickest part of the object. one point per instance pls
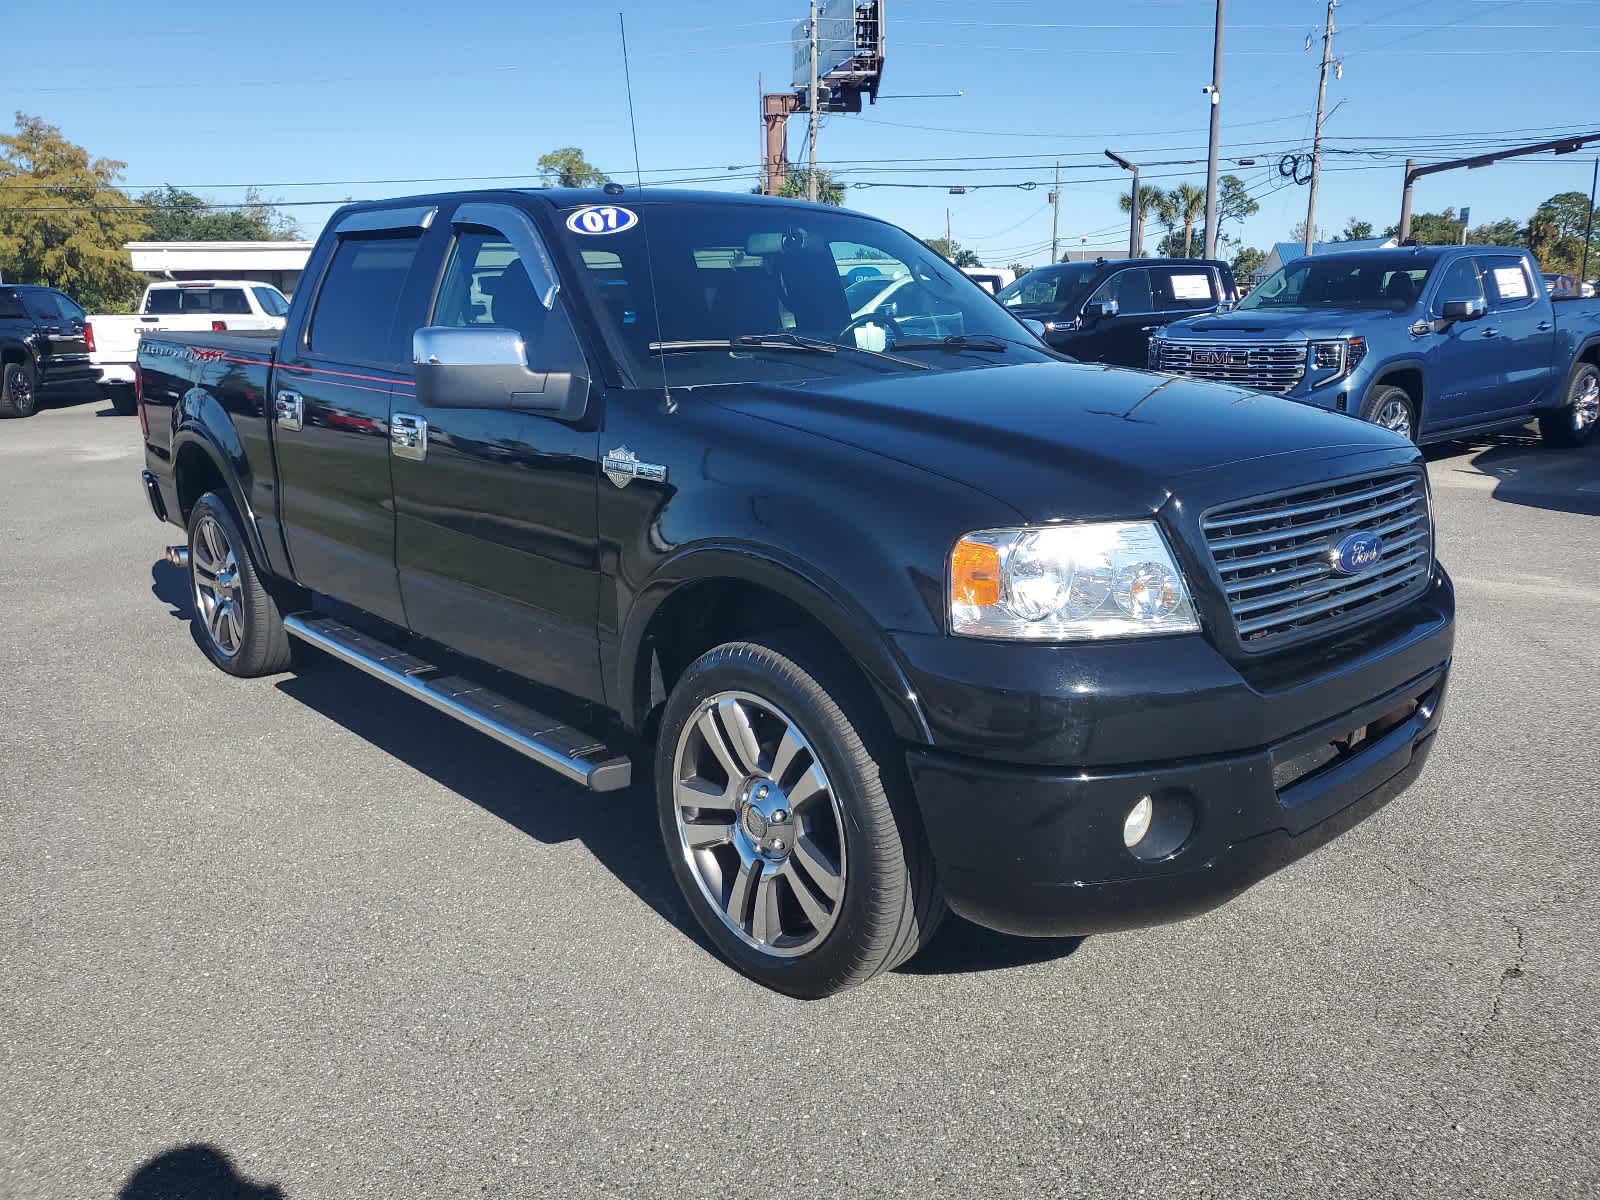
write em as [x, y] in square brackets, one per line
[45, 342]
[889, 622]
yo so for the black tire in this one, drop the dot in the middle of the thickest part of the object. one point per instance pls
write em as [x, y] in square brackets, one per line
[891, 904]
[19, 390]
[247, 637]
[122, 399]
[1573, 425]
[1386, 399]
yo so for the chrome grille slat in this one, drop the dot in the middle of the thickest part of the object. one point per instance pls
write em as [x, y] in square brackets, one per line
[1259, 560]
[1306, 509]
[1330, 585]
[1265, 366]
[1277, 575]
[1272, 578]
[1350, 521]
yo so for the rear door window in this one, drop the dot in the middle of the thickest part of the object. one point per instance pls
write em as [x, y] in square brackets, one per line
[354, 315]
[271, 301]
[1509, 283]
[42, 306]
[1184, 289]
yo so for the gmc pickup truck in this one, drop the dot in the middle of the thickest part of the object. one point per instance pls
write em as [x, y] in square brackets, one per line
[188, 305]
[1432, 342]
[884, 623]
[44, 346]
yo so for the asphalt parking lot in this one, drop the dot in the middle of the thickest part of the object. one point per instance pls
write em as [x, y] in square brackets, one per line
[304, 933]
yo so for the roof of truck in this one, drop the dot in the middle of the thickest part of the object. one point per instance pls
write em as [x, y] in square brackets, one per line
[573, 197]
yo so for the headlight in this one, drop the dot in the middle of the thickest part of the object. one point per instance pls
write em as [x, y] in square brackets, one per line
[1068, 583]
[1333, 360]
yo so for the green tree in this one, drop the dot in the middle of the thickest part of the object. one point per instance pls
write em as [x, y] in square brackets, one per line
[178, 216]
[1153, 202]
[1354, 231]
[1432, 229]
[1018, 269]
[954, 251]
[62, 219]
[1504, 232]
[1247, 262]
[568, 168]
[1234, 203]
[1555, 234]
[829, 189]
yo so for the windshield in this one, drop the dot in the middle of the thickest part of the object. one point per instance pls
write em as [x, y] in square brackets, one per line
[877, 299]
[1392, 283]
[1047, 286]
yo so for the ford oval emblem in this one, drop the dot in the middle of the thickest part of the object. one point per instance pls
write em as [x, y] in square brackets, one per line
[1357, 553]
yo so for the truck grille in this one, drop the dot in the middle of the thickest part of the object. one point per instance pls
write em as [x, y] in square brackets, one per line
[1275, 555]
[1264, 366]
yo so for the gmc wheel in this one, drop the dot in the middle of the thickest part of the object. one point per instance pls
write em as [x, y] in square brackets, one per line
[19, 391]
[1575, 424]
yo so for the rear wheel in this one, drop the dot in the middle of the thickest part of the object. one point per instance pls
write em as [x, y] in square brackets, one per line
[236, 619]
[786, 821]
[1392, 408]
[1575, 424]
[19, 390]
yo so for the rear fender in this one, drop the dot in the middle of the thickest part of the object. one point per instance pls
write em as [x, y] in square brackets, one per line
[204, 425]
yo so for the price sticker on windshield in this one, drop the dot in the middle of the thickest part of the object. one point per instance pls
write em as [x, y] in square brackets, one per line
[1511, 283]
[1191, 287]
[602, 219]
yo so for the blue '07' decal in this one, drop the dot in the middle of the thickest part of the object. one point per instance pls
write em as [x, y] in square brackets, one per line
[602, 219]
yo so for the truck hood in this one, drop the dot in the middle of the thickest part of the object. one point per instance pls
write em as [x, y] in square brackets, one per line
[1284, 324]
[1070, 441]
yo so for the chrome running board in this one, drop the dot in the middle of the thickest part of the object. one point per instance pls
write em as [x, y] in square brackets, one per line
[566, 751]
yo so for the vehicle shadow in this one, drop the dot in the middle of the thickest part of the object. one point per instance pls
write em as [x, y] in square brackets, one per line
[1526, 471]
[193, 1172]
[619, 829]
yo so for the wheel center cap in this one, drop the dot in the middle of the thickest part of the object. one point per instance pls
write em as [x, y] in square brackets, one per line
[766, 820]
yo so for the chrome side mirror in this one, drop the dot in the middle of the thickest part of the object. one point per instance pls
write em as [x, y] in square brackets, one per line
[487, 367]
[1034, 327]
[1099, 310]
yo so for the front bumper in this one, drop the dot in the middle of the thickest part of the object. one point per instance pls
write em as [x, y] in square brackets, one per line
[1251, 774]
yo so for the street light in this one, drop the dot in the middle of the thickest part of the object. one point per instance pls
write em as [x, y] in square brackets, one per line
[1135, 214]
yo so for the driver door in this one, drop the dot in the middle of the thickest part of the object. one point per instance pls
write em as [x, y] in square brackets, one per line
[495, 523]
[1121, 339]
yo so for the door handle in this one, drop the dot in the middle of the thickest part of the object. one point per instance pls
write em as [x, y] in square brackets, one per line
[1546, 326]
[290, 409]
[408, 437]
[1491, 333]
[1148, 328]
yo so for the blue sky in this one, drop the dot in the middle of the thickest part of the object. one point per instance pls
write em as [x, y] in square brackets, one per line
[311, 101]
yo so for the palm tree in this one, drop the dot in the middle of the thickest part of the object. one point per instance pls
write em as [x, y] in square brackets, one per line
[1187, 204]
[1152, 202]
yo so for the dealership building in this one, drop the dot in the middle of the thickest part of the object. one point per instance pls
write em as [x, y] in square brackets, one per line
[277, 263]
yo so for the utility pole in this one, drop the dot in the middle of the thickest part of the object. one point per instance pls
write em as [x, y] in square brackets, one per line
[1055, 219]
[1135, 212]
[949, 242]
[810, 181]
[1215, 91]
[1588, 227]
[1316, 143]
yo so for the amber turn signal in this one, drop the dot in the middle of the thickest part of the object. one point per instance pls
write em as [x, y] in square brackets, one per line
[975, 574]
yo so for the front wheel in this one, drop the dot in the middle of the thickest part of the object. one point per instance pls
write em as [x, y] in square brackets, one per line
[788, 827]
[1392, 408]
[19, 390]
[236, 619]
[1575, 424]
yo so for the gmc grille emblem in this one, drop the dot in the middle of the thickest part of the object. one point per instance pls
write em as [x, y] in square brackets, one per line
[1221, 358]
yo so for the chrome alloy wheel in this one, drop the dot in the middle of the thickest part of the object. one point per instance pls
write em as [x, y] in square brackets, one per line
[1394, 414]
[759, 824]
[1586, 404]
[217, 594]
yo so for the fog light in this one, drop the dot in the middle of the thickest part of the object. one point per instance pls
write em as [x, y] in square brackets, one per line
[1137, 823]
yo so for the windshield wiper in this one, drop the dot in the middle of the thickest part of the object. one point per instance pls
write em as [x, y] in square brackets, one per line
[957, 341]
[782, 340]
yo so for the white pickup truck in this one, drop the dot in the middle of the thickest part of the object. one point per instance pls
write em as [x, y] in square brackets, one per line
[187, 305]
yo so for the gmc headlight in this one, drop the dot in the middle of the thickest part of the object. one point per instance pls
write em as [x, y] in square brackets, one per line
[1068, 583]
[1333, 360]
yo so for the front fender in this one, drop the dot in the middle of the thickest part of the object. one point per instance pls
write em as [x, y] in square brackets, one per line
[801, 583]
